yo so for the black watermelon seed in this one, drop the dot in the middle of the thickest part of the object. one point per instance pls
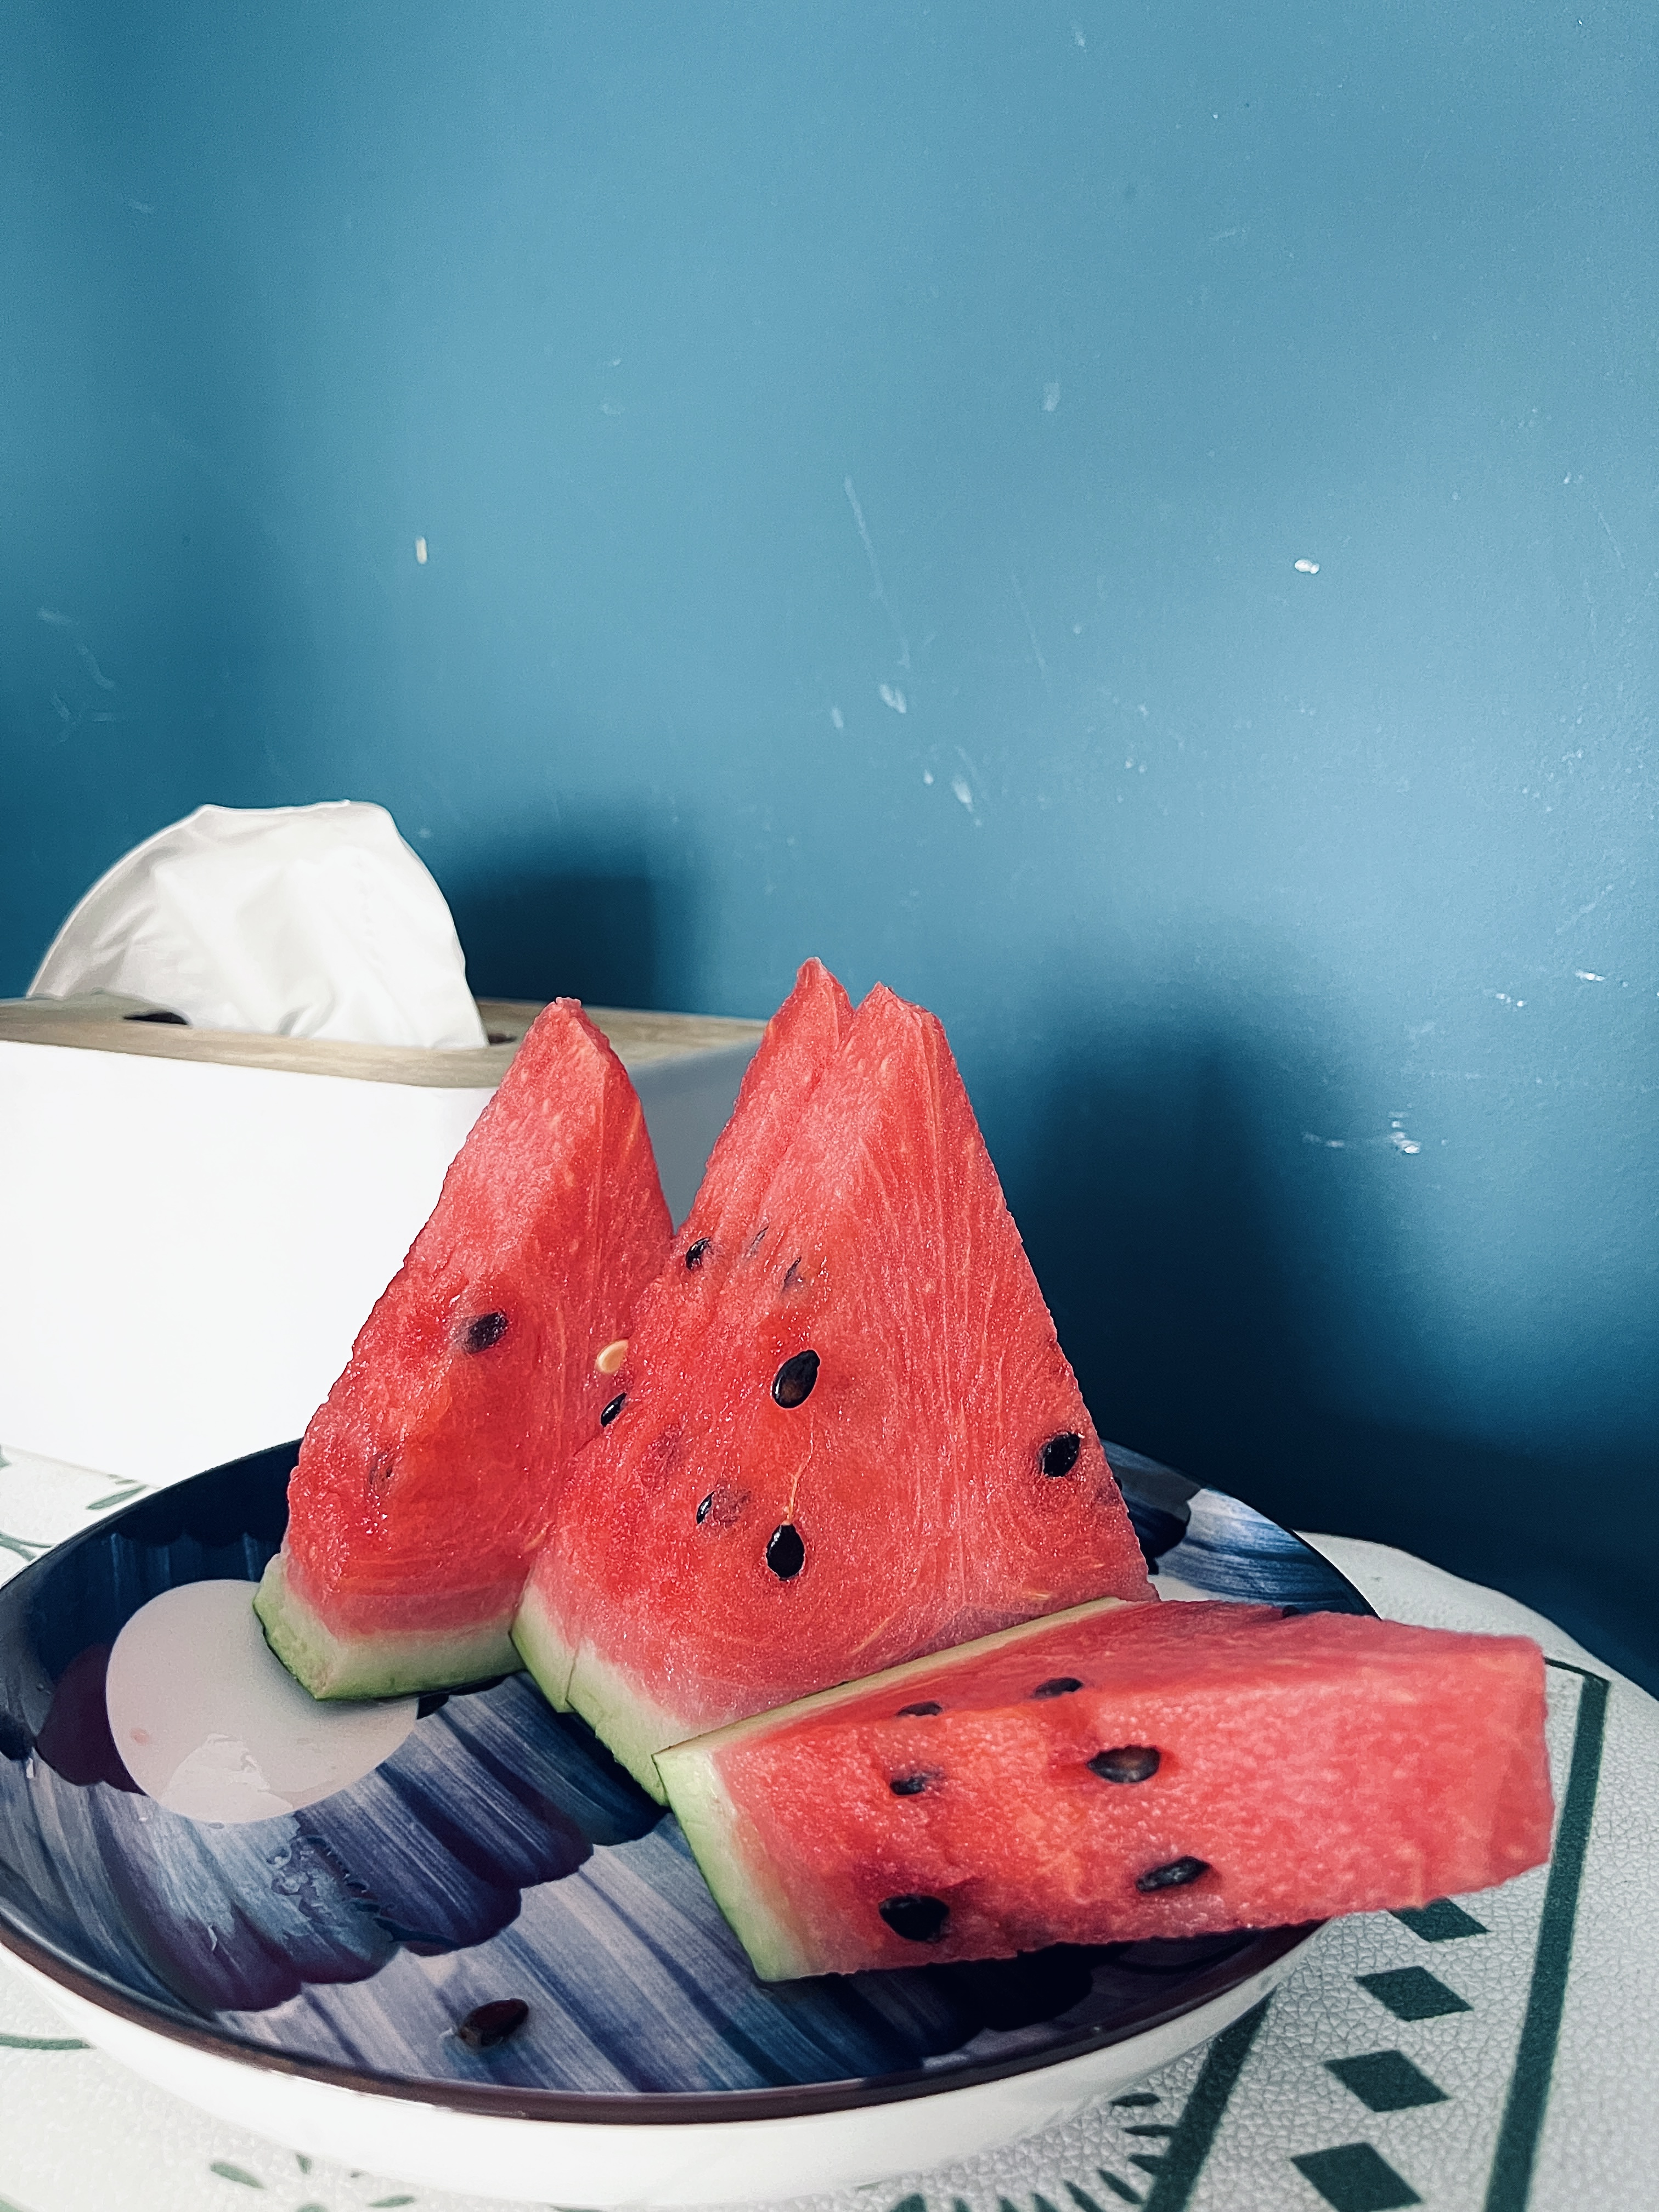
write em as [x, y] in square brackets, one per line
[702, 1510]
[697, 1253]
[1059, 1455]
[1177, 1876]
[792, 1274]
[608, 1413]
[786, 1554]
[1128, 1762]
[793, 1383]
[918, 1919]
[1058, 1686]
[484, 1330]
[925, 1707]
[487, 2025]
[910, 1785]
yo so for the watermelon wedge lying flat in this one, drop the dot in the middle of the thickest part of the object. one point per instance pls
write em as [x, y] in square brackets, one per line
[1117, 1772]
[846, 1435]
[425, 1482]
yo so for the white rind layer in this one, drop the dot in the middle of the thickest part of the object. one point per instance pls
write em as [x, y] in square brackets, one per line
[382, 1666]
[543, 1649]
[734, 1862]
[633, 1726]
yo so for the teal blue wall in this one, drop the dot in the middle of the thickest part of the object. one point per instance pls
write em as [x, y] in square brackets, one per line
[863, 450]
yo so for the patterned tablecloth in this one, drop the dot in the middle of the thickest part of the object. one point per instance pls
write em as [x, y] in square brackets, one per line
[1487, 2054]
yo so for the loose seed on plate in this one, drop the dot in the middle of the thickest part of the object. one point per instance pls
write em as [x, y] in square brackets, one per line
[793, 1383]
[608, 1413]
[1128, 1762]
[1058, 1686]
[487, 2025]
[1059, 1455]
[918, 1919]
[925, 1707]
[1177, 1876]
[609, 1357]
[482, 1331]
[786, 1554]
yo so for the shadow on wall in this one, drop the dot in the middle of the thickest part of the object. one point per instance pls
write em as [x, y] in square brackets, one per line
[1201, 1274]
[534, 928]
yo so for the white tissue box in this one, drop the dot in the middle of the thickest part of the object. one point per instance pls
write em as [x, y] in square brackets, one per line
[195, 1223]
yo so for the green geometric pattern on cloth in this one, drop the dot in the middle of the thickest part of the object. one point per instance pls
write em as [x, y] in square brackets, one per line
[1512, 2074]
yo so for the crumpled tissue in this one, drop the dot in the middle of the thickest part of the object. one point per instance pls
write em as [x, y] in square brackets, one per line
[303, 922]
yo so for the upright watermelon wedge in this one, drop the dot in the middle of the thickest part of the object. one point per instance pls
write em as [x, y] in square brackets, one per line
[1117, 1772]
[426, 1480]
[863, 1444]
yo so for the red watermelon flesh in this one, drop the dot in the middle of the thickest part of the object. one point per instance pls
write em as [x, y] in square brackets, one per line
[1119, 1773]
[425, 1482]
[801, 1041]
[869, 1446]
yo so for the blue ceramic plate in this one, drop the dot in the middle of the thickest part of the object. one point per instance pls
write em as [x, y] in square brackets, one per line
[498, 1854]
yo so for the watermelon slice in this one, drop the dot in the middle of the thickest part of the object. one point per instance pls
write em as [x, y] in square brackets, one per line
[425, 1482]
[857, 1441]
[1118, 1772]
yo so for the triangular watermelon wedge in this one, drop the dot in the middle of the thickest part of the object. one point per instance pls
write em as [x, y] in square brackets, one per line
[800, 1043]
[869, 1447]
[426, 1481]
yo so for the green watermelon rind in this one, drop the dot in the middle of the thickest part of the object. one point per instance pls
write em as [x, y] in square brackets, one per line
[382, 1665]
[731, 1859]
[630, 1726]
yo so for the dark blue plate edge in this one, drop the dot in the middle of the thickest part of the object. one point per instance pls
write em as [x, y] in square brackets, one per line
[1159, 1489]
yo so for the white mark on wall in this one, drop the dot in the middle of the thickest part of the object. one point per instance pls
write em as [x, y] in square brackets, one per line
[1612, 540]
[50, 615]
[928, 775]
[90, 659]
[880, 592]
[612, 407]
[1504, 999]
[1306, 567]
[141, 207]
[1081, 43]
[1587, 975]
[1050, 397]
[1398, 1137]
[1030, 630]
[834, 716]
[1327, 1144]
[893, 697]
[419, 551]
[963, 790]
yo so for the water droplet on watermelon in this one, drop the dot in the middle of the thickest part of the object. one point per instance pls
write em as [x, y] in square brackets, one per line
[1059, 1455]
[911, 1785]
[920, 1711]
[793, 1383]
[918, 1919]
[1128, 1762]
[482, 1331]
[786, 1554]
[697, 1253]
[608, 1413]
[609, 1357]
[1177, 1876]
[487, 2025]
